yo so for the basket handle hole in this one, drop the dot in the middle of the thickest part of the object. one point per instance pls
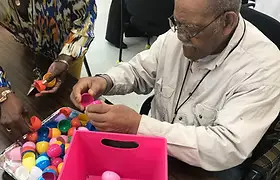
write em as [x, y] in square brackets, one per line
[120, 144]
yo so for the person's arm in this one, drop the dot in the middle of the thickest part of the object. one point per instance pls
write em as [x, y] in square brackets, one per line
[81, 35]
[139, 74]
[238, 128]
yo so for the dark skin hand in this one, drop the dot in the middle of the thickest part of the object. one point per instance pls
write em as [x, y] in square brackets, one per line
[14, 123]
[108, 118]
[58, 70]
[113, 118]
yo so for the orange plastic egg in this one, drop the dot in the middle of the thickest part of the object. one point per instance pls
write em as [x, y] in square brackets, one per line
[55, 132]
[71, 131]
[32, 136]
[75, 122]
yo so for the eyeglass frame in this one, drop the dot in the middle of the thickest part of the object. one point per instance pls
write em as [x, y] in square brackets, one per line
[174, 27]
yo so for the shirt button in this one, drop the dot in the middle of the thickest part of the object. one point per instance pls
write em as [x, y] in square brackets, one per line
[180, 118]
[200, 116]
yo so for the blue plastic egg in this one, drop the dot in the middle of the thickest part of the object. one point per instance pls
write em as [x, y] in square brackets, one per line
[42, 158]
[43, 132]
[43, 164]
[90, 127]
[73, 115]
[43, 138]
[51, 124]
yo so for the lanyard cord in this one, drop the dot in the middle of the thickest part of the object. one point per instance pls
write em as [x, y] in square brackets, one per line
[177, 107]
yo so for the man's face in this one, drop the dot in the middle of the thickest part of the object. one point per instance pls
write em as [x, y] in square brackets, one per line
[191, 16]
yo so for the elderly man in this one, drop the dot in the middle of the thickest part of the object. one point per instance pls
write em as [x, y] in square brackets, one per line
[216, 81]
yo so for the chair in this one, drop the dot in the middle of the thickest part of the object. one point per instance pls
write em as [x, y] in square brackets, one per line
[265, 163]
[149, 17]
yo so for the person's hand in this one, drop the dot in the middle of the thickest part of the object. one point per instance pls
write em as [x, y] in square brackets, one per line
[113, 118]
[58, 70]
[95, 86]
[13, 114]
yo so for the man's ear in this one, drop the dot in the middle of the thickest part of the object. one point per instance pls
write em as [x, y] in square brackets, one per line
[230, 21]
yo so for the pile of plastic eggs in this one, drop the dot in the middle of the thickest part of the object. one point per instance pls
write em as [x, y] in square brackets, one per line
[43, 153]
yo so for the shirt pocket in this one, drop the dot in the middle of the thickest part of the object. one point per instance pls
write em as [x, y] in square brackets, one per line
[205, 115]
[163, 96]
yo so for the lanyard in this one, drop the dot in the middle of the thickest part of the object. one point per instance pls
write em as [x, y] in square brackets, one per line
[178, 107]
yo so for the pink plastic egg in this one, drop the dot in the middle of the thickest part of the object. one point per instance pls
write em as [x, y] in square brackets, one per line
[82, 129]
[29, 144]
[110, 175]
[54, 151]
[56, 161]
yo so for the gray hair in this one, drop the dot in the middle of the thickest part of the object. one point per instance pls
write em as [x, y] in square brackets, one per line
[219, 6]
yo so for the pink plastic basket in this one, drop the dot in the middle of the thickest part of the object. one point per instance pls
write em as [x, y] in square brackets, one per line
[131, 157]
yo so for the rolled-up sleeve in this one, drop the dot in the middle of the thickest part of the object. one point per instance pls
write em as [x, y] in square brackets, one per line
[239, 126]
[82, 34]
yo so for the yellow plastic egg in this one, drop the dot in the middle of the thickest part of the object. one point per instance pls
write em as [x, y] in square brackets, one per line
[59, 167]
[83, 118]
[66, 147]
[29, 160]
[42, 147]
[55, 132]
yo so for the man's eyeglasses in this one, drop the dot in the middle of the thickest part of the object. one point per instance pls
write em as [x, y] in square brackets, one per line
[175, 25]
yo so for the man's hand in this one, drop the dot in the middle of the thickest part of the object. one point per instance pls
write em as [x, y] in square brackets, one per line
[12, 121]
[114, 118]
[95, 86]
[58, 70]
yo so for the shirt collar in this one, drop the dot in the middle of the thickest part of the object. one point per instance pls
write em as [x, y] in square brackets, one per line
[213, 61]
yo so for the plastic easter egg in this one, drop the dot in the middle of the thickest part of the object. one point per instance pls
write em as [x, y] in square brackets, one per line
[52, 141]
[44, 154]
[49, 84]
[62, 150]
[32, 136]
[110, 175]
[51, 124]
[42, 158]
[53, 168]
[55, 132]
[39, 85]
[97, 102]
[54, 151]
[42, 147]
[66, 111]
[36, 123]
[48, 176]
[76, 122]
[64, 126]
[60, 117]
[43, 164]
[27, 149]
[29, 144]
[35, 173]
[83, 129]
[65, 138]
[28, 160]
[83, 119]
[66, 147]
[86, 100]
[43, 131]
[22, 173]
[73, 114]
[71, 131]
[90, 127]
[56, 161]
[59, 167]
[50, 170]
[42, 138]
[58, 143]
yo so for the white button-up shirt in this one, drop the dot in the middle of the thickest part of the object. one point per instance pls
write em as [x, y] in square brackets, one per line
[226, 116]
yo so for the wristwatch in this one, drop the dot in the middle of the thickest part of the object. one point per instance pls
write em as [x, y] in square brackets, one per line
[4, 95]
